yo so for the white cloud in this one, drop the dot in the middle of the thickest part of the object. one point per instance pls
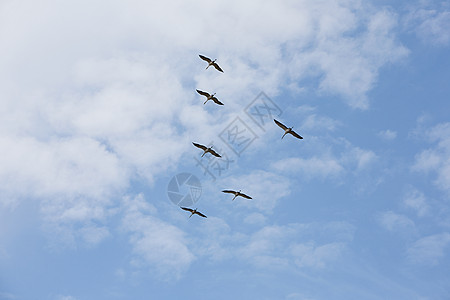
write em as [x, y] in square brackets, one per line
[430, 249]
[430, 21]
[311, 167]
[255, 219]
[395, 222]
[297, 296]
[156, 244]
[314, 122]
[387, 135]
[437, 158]
[264, 187]
[323, 164]
[280, 246]
[310, 255]
[93, 99]
[417, 201]
[66, 298]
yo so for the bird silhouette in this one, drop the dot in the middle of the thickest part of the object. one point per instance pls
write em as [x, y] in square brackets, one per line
[236, 194]
[193, 212]
[206, 150]
[287, 130]
[209, 97]
[211, 63]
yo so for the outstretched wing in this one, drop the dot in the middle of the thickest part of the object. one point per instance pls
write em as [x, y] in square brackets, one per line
[296, 134]
[187, 209]
[205, 58]
[200, 214]
[217, 67]
[200, 146]
[245, 196]
[217, 101]
[279, 124]
[214, 153]
[203, 93]
[228, 191]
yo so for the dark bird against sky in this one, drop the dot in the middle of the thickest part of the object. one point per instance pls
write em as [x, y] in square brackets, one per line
[237, 194]
[193, 212]
[209, 97]
[206, 150]
[287, 130]
[211, 63]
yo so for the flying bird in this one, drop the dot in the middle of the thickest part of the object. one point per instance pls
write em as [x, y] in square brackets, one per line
[206, 150]
[287, 130]
[237, 194]
[209, 97]
[211, 63]
[193, 212]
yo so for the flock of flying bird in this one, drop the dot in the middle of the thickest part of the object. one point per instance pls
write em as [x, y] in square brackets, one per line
[212, 152]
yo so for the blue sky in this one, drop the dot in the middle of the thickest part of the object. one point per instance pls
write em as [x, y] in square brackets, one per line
[99, 111]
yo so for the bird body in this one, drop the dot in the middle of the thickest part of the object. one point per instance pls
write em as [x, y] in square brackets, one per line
[206, 150]
[211, 63]
[209, 97]
[287, 130]
[193, 212]
[237, 194]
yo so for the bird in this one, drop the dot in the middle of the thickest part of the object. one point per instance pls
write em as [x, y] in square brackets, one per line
[193, 211]
[209, 97]
[211, 63]
[237, 194]
[287, 130]
[206, 149]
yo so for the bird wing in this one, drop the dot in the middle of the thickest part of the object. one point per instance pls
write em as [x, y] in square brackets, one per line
[214, 153]
[205, 58]
[200, 214]
[217, 101]
[200, 146]
[295, 134]
[203, 93]
[228, 191]
[217, 67]
[187, 209]
[279, 124]
[245, 196]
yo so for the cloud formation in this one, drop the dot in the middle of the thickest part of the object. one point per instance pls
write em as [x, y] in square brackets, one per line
[430, 249]
[436, 159]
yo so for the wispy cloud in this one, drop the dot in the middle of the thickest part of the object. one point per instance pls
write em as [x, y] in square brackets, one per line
[65, 297]
[92, 101]
[276, 246]
[429, 250]
[267, 187]
[321, 167]
[311, 255]
[416, 200]
[387, 135]
[437, 158]
[337, 158]
[395, 222]
[156, 244]
[430, 21]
